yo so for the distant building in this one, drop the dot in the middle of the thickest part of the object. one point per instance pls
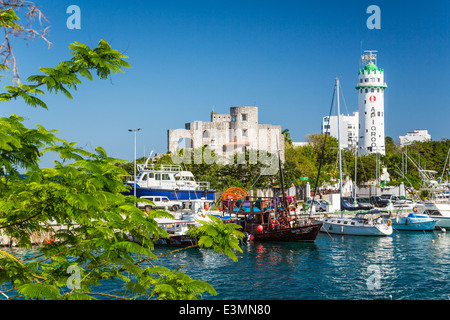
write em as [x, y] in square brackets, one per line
[301, 144]
[227, 134]
[417, 135]
[348, 129]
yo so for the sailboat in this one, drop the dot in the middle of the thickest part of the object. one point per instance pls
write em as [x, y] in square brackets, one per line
[364, 223]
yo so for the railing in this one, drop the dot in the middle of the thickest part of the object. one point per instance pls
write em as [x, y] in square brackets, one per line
[203, 185]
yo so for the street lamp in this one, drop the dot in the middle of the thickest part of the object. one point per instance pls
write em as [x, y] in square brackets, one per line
[134, 130]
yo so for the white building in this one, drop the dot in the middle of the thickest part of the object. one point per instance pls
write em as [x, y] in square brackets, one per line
[227, 134]
[371, 88]
[348, 129]
[417, 135]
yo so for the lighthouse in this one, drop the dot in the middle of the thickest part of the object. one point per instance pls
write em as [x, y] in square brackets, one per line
[371, 88]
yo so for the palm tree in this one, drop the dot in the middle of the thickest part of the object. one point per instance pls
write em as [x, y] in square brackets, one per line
[287, 136]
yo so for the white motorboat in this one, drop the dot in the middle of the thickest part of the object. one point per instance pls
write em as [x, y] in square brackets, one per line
[363, 224]
[439, 211]
[438, 206]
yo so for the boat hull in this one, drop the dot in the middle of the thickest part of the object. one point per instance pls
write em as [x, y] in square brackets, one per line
[172, 194]
[413, 224]
[176, 241]
[307, 233]
[332, 227]
[439, 211]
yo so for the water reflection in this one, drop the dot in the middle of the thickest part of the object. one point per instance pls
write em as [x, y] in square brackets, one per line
[410, 265]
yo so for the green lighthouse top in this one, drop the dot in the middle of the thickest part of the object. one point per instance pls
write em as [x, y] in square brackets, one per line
[370, 66]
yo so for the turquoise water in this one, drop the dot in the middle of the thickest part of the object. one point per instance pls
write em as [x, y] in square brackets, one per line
[406, 266]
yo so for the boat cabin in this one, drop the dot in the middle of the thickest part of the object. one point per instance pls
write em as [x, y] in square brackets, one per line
[167, 177]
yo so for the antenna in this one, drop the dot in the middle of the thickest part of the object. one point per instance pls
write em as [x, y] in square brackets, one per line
[368, 57]
[360, 54]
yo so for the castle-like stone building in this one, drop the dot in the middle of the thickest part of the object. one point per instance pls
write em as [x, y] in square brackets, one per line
[227, 134]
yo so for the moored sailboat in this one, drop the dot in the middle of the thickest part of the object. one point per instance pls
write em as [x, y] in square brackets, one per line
[363, 224]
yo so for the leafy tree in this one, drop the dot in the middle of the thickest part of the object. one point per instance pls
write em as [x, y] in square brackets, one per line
[83, 196]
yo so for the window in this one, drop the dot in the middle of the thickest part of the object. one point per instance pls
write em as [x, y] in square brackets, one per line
[158, 176]
[213, 142]
[366, 80]
[165, 176]
[144, 177]
[233, 118]
[205, 134]
[360, 80]
[372, 90]
[367, 90]
[245, 133]
[244, 117]
[379, 113]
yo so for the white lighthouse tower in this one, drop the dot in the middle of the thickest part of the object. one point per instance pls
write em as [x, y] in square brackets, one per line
[371, 88]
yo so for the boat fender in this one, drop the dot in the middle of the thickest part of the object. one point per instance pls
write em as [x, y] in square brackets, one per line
[415, 209]
[206, 206]
[389, 223]
[407, 221]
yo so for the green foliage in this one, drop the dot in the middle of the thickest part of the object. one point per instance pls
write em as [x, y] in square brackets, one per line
[66, 75]
[83, 196]
[174, 285]
[223, 237]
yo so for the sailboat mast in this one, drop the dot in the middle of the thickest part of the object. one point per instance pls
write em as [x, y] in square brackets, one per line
[282, 181]
[339, 145]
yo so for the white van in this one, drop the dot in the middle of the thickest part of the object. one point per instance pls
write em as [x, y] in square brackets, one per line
[160, 202]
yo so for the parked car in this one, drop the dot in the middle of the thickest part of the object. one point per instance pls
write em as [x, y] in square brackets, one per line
[320, 205]
[160, 203]
[378, 201]
[361, 203]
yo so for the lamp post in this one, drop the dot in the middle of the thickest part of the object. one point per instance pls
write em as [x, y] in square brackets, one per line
[134, 130]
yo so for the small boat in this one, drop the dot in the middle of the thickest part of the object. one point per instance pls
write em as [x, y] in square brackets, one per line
[177, 233]
[363, 224]
[413, 222]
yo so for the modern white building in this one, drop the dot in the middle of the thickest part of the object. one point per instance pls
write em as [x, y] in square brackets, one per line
[417, 135]
[371, 88]
[348, 129]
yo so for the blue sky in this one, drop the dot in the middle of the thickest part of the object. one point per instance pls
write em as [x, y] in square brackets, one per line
[283, 56]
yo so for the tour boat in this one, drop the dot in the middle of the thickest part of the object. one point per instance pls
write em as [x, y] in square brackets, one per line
[169, 181]
[270, 218]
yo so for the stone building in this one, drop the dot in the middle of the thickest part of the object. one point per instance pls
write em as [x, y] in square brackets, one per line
[227, 134]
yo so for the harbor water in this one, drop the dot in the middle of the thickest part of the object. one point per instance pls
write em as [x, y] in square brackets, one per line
[403, 266]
